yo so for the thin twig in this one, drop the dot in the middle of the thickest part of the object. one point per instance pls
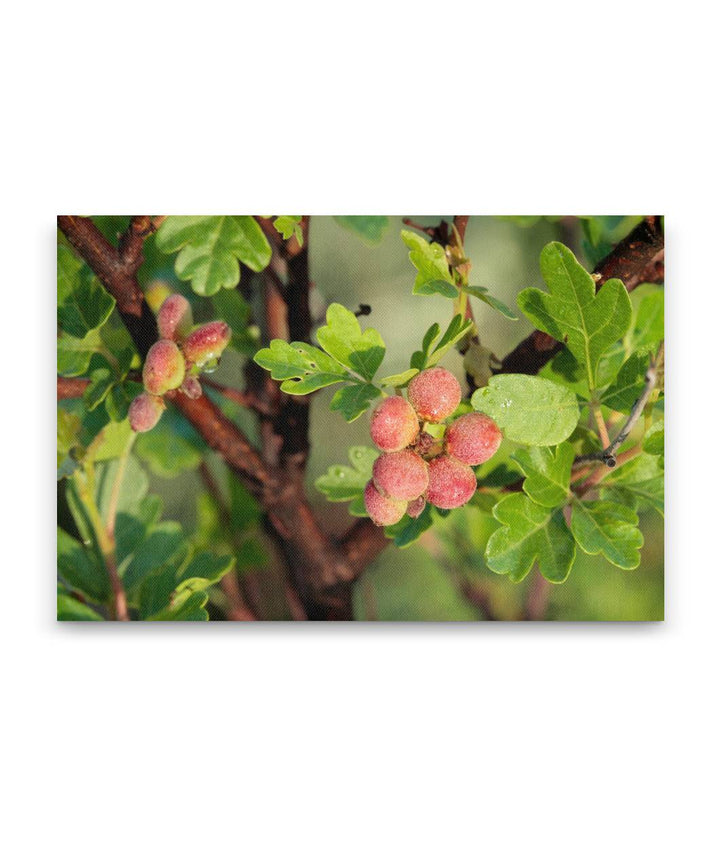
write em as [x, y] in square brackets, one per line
[244, 398]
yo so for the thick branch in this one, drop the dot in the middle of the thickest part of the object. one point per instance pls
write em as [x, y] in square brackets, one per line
[71, 387]
[636, 259]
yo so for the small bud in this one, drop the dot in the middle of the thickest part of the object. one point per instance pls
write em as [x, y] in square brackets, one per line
[383, 511]
[144, 412]
[191, 387]
[174, 318]
[155, 293]
[416, 507]
[206, 343]
[164, 368]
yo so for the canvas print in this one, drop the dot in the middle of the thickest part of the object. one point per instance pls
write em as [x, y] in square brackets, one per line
[369, 418]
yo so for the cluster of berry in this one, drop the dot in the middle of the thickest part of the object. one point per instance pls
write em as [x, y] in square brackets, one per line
[176, 359]
[415, 467]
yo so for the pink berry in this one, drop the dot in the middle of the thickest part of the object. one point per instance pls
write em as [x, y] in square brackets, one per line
[452, 484]
[174, 318]
[473, 439]
[206, 343]
[400, 475]
[144, 412]
[416, 507]
[435, 394]
[394, 424]
[164, 368]
[383, 511]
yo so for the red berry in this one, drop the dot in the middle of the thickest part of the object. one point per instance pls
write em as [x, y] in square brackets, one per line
[394, 424]
[207, 343]
[174, 318]
[164, 368]
[473, 439]
[400, 475]
[144, 412]
[383, 511]
[452, 484]
[416, 507]
[435, 394]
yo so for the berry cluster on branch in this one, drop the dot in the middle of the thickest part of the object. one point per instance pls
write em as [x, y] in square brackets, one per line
[415, 467]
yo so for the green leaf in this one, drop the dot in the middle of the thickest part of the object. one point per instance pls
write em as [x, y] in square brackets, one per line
[399, 380]
[370, 229]
[80, 569]
[302, 367]
[172, 447]
[83, 304]
[211, 249]
[190, 609]
[430, 261]
[289, 226]
[134, 485]
[343, 340]
[654, 440]
[572, 313]
[354, 399]
[639, 482]
[528, 409]
[101, 381]
[71, 609]
[204, 570]
[547, 473]
[409, 529]
[482, 294]
[74, 355]
[622, 394]
[432, 349]
[649, 329]
[342, 483]
[607, 528]
[529, 533]
[164, 548]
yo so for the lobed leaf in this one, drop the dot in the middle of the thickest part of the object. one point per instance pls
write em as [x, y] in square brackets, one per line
[607, 528]
[572, 312]
[628, 386]
[211, 248]
[343, 339]
[482, 294]
[547, 473]
[83, 304]
[529, 533]
[430, 261]
[342, 483]
[531, 410]
[302, 367]
[354, 399]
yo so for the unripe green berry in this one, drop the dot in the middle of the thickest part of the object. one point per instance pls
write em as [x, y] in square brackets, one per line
[174, 319]
[206, 343]
[416, 507]
[164, 368]
[435, 394]
[155, 293]
[452, 484]
[400, 475]
[144, 412]
[383, 511]
[473, 439]
[394, 424]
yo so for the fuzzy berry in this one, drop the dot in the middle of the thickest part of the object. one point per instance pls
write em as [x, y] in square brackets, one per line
[452, 484]
[174, 318]
[191, 387]
[383, 511]
[416, 507]
[435, 394]
[206, 343]
[394, 424]
[144, 412]
[473, 439]
[164, 368]
[400, 475]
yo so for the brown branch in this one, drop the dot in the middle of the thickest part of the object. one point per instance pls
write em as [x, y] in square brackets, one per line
[244, 398]
[636, 259]
[71, 387]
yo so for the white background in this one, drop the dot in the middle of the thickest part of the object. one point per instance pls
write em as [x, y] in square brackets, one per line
[395, 739]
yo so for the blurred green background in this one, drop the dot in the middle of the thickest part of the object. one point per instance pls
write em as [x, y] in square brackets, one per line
[442, 576]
